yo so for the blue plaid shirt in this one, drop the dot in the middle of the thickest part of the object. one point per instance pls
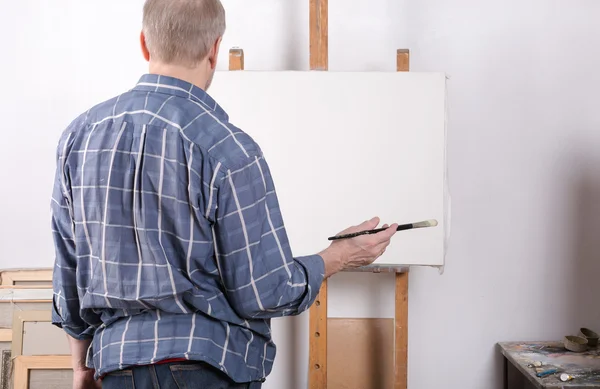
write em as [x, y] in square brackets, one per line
[169, 238]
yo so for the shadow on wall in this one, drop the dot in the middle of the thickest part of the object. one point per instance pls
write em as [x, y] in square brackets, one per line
[584, 229]
[569, 270]
[294, 341]
[294, 337]
[294, 40]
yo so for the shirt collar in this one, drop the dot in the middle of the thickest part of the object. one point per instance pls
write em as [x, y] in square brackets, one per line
[177, 87]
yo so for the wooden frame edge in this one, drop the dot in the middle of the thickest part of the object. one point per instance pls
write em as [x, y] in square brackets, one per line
[25, 287]
[19, 320]
[24, 363]
[6, 335]
[26, 301]
[9, 277]
[13, 295]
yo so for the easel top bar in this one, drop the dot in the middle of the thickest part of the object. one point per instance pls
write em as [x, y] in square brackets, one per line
[380, 269]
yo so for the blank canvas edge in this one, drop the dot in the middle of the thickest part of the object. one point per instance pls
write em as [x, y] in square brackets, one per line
[447, 195]
[447, 201]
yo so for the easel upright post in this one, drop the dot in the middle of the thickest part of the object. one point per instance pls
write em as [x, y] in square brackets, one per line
[319, 46]
[236, 59]
[403, 60]
[401, 295]
[401, 332]
[319, 60]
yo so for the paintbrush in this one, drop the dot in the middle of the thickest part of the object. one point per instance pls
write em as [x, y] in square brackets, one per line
[401, 227]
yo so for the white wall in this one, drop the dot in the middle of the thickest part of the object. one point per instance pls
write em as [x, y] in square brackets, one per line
[524, 160]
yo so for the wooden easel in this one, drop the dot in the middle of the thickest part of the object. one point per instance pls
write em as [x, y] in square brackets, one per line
[318, 312]
[317, 367]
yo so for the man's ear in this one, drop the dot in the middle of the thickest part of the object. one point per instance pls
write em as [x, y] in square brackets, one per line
[145, 51]
[214, 53]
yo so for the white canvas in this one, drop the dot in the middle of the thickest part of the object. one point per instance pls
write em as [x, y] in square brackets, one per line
[344, 147]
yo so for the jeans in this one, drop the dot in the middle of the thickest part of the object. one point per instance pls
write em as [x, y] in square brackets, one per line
[176, 375]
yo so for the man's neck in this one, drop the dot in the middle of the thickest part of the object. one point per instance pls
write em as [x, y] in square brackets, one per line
[194, 76]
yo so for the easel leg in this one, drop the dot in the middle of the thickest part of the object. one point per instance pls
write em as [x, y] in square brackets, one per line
[317, 364]
[401, 296]
[317, 368]
[401, 332]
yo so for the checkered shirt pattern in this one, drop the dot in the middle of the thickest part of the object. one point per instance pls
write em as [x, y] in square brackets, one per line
[169, 238]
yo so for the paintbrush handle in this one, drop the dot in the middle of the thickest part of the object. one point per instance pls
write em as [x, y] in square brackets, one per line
[369, 232]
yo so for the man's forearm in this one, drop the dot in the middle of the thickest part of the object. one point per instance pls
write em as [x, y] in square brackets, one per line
[79, 350]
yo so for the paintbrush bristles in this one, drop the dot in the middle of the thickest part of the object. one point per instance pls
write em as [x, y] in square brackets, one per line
[426, 223]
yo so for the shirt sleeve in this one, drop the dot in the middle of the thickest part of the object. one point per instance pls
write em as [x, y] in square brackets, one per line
[261, 277]
[65, 307]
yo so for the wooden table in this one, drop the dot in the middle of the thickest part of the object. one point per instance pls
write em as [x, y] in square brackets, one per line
[584, 367]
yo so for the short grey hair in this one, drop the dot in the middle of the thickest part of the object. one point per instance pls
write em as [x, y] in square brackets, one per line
[182, 32]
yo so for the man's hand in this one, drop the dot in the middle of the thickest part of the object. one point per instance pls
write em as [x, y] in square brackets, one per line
[83, 378]
[359, 251]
